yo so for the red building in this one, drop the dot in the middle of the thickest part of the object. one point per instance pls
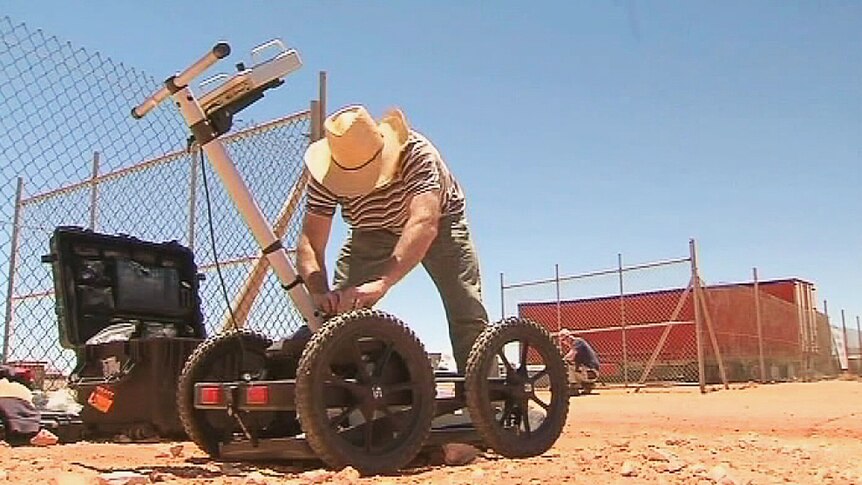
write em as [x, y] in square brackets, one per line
[631, 330]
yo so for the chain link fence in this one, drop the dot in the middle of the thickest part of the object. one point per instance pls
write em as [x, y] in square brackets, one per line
[660, 323]
[758, 333]
[638, 318]
[71, 154]
[847, 340]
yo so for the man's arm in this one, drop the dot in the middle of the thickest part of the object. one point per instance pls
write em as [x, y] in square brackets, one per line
[419, 232]
[311, 259]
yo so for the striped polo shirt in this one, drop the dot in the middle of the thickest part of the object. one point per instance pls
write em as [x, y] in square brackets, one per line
[422, 170]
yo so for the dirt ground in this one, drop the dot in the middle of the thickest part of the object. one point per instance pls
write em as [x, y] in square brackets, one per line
[802, 433]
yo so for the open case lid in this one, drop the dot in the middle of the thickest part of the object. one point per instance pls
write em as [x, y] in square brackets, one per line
[102, 279]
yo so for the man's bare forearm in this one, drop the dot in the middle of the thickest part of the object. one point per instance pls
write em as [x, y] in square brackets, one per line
[310, 251]
[410, 248]
[311, 268]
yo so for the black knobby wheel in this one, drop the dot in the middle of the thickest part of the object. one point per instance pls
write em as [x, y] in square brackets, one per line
[365, 393]
[522, 412]
[219, 358]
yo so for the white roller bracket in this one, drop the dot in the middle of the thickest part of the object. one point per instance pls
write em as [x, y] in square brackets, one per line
[219, 51]
[263, 75]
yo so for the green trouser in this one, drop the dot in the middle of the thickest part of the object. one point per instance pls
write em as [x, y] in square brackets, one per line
[452, 263]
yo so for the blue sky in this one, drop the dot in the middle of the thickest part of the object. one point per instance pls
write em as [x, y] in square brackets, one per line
[579, 129]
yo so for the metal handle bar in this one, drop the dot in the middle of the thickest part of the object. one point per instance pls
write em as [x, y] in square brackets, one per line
[219, 51]
[255, 53]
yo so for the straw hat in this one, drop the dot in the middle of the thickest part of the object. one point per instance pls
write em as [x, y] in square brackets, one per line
[357, 154]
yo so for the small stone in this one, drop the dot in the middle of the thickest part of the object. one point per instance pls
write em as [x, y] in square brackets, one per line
[44, 438]
[347, 475]
[478, 474]
[4, 475]
[255, 478]
[620, 443]
[123, 478]
[822, 475]
[4, 444]
[157, 477]
[489, 455]
[70, 479]
[727, 480]
[674, 466]
[316, 476]
[717, 473]
[229, 469]
[121, 438]
[629, 469]
[658, 454]
[176, 450]
[457, 454]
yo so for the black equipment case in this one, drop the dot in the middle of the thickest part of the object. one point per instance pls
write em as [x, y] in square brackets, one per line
[146, 295]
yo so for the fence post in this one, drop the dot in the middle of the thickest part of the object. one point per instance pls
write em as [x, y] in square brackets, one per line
[698, 321]
[759, 327]
[193, 190]
[797, 296]
[94, 190]
[846, 348]
[559, 312]
[812, 336]
[321, 90]
[710, 327]
[859, 350]
[13, 253]
[502, 298]
[623, 322]
[835, 352]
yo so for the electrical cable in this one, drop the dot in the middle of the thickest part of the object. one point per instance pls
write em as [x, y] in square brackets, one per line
[218, 266]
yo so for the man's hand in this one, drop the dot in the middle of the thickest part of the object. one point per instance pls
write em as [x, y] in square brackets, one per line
[310, 261]
[326, 302]
[362, 296]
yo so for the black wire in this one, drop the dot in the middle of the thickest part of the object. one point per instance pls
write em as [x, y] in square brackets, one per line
[217, 265]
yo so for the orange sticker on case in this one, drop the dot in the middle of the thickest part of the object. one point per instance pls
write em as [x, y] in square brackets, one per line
[101, 398]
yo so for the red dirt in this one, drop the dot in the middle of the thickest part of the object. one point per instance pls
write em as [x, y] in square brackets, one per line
[803, 433]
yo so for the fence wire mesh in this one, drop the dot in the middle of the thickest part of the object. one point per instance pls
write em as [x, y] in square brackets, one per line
[71, 154]
[658, 312]
[643, 322]
[769, 333]
[733, 312]
[628, 315]
[847, 342]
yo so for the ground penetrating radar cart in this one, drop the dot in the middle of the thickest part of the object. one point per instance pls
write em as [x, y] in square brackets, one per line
[358, 389]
